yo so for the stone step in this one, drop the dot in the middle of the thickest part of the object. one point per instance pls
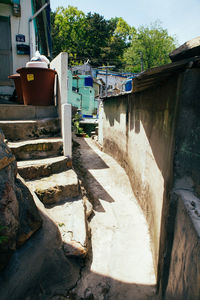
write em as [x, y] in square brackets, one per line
[56, 188]
[34, 169]
[36, 149]
[15, 130]
[70, 217]
[26, 112]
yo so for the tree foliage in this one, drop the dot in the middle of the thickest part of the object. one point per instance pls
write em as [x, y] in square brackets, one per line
[89, 36]
[97, 35]
[151, 45]
[109, 42]
[68, 29]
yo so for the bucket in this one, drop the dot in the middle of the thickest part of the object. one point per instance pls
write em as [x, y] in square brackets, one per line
[37, 85]
[18, 87]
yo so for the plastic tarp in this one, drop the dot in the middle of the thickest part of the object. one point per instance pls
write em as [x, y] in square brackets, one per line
[88, 81]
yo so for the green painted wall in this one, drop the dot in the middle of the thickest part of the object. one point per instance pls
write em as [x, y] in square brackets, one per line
[73, 98]
[85, 98]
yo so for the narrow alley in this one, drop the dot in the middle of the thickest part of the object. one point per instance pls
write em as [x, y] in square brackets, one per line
[120, 264]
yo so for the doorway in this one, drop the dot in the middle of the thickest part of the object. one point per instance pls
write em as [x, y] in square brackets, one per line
[5, 51]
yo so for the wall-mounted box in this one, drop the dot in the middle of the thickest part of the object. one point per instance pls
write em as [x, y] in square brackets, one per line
[23, 49]
[20, 38]
[16, 10]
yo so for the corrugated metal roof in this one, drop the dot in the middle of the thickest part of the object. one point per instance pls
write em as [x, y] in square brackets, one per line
[155, 76]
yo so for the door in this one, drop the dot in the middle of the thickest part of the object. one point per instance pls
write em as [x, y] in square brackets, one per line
[5, 51]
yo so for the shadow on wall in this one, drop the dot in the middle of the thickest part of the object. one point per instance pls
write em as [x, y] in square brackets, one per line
[150, 119]
[156, 112]
[115, 115]
[153, 109]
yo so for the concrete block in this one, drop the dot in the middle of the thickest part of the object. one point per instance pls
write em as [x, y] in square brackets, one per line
[30, 129]
[71, 220]
[26, 112]
[36, 149]
[56, 188]
[60, 64]
[34, 169]
[66, 121]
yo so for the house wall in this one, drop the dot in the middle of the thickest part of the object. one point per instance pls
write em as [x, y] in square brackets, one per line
[115, 81]
[154, 135]
[18, 25]
[73, 98]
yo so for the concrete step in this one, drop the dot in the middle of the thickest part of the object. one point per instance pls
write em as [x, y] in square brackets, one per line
[26, 112]
[34, 169]
[15, 130]
[70, 217]
[36, 149]
[56, 188]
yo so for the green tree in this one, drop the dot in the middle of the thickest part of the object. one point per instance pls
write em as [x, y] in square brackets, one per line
[89, 36]
[152, 45]
[97, 35]
[120, 37]
[68, 27]
[124, 31]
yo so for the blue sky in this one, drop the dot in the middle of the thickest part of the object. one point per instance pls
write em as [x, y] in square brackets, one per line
[179, 17]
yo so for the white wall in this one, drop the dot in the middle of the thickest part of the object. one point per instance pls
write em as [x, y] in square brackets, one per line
[115, 81]
[18, 25]
[60, 64]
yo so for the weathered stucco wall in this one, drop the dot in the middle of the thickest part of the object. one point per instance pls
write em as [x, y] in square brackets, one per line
[184, 272]
[146, 132]
[138, 130]
[18, 25]
[184, 275]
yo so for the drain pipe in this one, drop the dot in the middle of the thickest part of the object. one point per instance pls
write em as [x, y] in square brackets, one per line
[30, 21]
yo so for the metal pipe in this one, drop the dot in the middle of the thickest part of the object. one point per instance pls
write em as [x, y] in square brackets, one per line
[106, 82]
[30, 22]
[39, 11]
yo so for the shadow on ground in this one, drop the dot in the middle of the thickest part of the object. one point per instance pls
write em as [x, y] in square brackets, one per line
[39, 270]
[86, 177]
[93, 285]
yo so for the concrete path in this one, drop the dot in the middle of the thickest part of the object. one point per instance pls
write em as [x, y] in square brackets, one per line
[120, 265]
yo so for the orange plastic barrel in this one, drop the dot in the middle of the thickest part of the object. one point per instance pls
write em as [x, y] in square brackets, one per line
[18, 87]
[37, 85]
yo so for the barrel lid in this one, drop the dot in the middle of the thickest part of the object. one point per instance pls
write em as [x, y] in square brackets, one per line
[14, 76]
